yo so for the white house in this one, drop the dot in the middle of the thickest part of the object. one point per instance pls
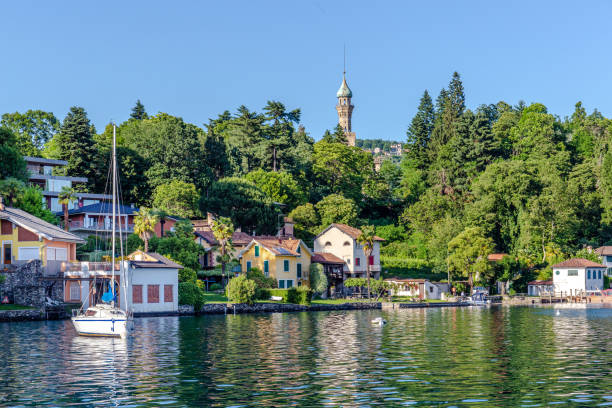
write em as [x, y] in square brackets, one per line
[578, 275]
[421, 288]
[341, 241]
[152, 284]
[540, 288]
[605, 255]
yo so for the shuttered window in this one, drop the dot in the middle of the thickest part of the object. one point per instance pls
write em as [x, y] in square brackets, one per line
[152, 293]
[75, 290]
[286, 266]
[299, 271]
[256, 250]
[137, 294]
[266, 268]
[168, 293]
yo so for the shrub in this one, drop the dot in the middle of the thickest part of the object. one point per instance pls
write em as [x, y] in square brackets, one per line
[300, 295]
[261, 280]
[214, 287]
[187, 275]
[191, 294]
[241, 290]
[318, 279]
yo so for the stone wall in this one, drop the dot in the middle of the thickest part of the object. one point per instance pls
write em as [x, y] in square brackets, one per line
[21, 315]
[24, 285]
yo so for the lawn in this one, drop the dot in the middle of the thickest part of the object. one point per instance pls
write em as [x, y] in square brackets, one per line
[213, 297]
[337, 301]
[14, 307]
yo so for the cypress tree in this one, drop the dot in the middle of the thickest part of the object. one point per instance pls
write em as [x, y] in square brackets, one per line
[76, 144]
[419, 131]
[138, 111]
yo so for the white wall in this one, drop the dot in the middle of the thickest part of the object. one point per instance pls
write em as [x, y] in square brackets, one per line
[565, 283]
[337, 239]
[153, 276]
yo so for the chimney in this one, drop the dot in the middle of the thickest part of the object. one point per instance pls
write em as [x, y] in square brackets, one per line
[210, 218]
[287, 229]
[1, 204]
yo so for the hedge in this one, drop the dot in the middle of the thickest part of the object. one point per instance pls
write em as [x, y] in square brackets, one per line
[191, 294]
[301, 295]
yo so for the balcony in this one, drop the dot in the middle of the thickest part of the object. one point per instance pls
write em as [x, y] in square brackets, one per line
[80, 226]
[87, 269]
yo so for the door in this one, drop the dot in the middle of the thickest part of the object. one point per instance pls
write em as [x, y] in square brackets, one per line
[7, 252]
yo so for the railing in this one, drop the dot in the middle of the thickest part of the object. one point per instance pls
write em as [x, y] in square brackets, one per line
[68, 267]
[74, 225]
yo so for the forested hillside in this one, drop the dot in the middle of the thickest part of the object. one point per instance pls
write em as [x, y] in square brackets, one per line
[500, 178]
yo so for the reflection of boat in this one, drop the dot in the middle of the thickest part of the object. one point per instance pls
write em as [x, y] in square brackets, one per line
[106, 319]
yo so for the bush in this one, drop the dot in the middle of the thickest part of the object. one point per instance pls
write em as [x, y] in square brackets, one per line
[261, 280]
[191, 294]
[214, 287]
[241, 290]
[318, 279]
[300, 295]
[187, 275]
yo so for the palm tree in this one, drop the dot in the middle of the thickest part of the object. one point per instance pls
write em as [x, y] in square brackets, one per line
[144, 225]
[366, 240]
[162, 216]
[66, 196]
[223, 229]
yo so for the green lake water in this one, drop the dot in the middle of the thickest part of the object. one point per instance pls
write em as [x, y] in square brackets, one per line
[447, 357]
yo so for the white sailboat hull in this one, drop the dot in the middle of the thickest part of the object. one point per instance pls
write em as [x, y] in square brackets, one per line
[100, 327]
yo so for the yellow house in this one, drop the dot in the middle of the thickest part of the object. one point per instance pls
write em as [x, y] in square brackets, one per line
[24, 237]
[285, 259]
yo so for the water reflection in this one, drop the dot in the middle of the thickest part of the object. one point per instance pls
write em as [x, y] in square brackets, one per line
[502, 356]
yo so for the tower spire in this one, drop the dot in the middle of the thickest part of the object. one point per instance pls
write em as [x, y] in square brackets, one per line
[345, 107]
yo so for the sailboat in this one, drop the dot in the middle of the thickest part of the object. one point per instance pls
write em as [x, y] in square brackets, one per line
[105, 319]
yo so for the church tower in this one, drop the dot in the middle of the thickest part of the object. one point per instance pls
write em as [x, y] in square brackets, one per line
[345, 110]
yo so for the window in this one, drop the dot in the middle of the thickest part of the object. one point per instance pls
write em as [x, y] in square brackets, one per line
[357, 262]
[248, 266]
[371, 260]
[281, 284]
[136, 293]
[431, 289]
[289, 283]
[299, 283]
[168, 293]
[256, 250]
[557, 272]
[286, 265]
[299, 271]
[346, 243]
[328, 244]
[599, 274]
[572, 272]
[57, 254]
[299, 250]
[75, 291]
[152, 293]
[266, 268]
[588, 274]
[609, 258]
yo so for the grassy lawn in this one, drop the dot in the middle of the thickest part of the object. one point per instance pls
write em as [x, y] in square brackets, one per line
[14, 307]
[212, 297]
[337, 301]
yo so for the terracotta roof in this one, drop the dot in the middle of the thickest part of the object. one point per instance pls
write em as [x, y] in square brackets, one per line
[36, 225]
[238, 238]
[408, 280]
[496, 257]
[326, 258]
[350, 231]
[604, 250]
[279, 246]
[541, 283]
[152, 260]
[579, 263]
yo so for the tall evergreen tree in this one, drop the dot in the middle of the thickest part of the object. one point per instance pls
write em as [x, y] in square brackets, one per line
[138, 111]
[76, 144]
[419, 132]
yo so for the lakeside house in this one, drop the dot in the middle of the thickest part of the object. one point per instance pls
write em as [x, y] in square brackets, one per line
[541, 288]
[41, 174]
[341, 241]
[98, 219]
[605, 255]
[152, 288]
[285, 259]
[421, 288]
[578, 275]
[24, 237]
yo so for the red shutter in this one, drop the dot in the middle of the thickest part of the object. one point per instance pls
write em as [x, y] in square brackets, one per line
[137, 294]
[357, 263]
[371, 260]
[168, 293]
[152, 293]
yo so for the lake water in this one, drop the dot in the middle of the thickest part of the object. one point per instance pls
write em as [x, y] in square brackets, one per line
[450, 357]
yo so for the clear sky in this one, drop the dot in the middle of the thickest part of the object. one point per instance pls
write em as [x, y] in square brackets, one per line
[195, 59]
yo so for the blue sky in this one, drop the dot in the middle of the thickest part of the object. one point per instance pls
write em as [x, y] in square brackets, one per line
[196, 59]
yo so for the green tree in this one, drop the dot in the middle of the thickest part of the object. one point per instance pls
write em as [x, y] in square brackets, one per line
[12, 163]
[337, 209]
[419, 132]
[241, 290]
[244, 203]
[468, 252]
[177, 198]
[138, 111]
[279, 135]
[76, 144]
[317, 278]
[10, 190]
[366, 239]
[65, 198]
[33, 129]
[223, 229]
[30, 199]
[144, 225]
[279, 186]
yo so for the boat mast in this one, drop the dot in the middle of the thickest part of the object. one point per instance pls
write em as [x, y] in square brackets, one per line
[114, 215]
